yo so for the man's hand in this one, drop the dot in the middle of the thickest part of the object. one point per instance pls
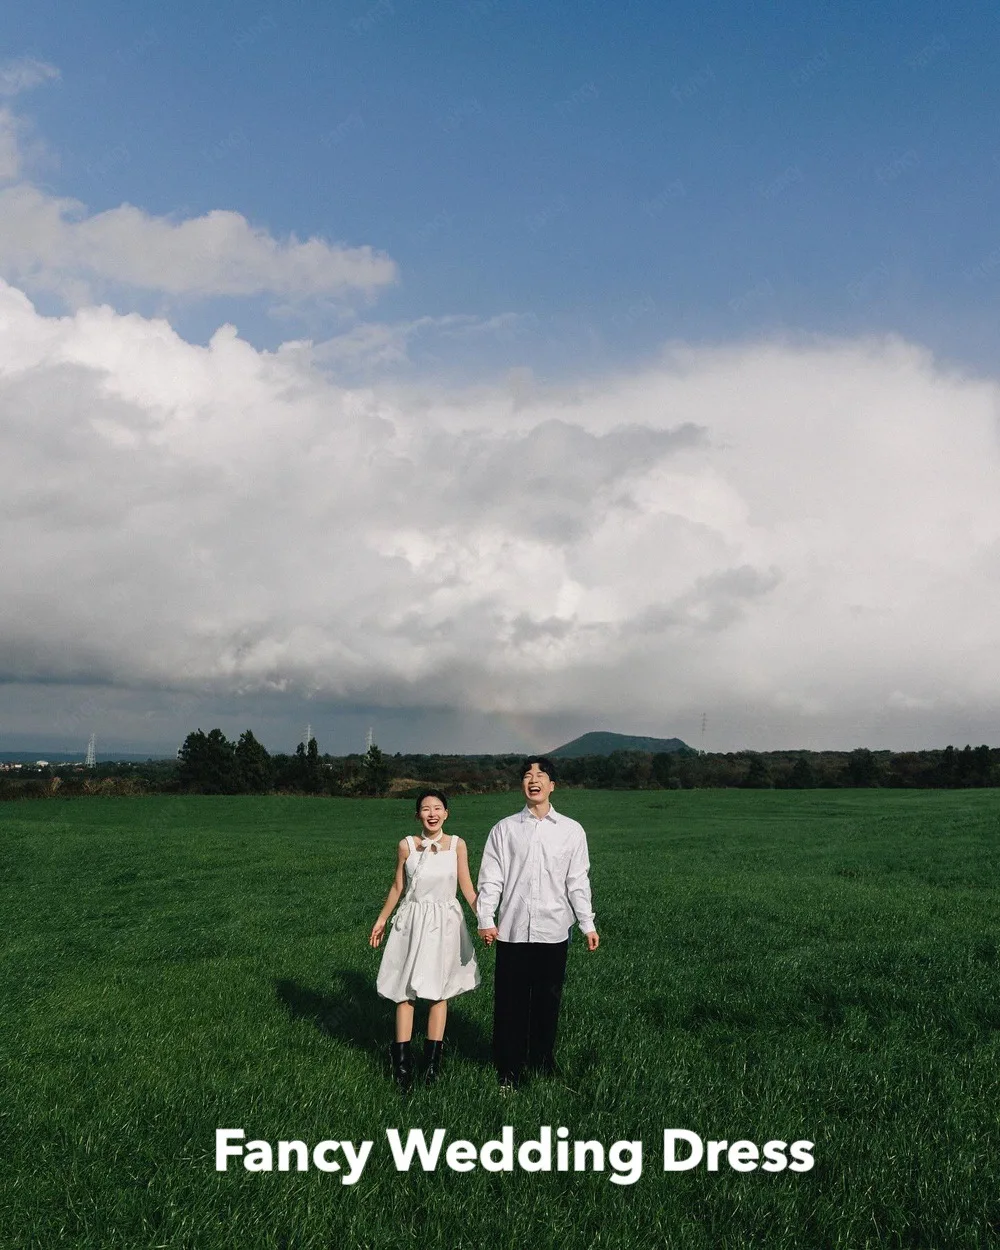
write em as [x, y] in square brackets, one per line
[489, 936]
[593, 941]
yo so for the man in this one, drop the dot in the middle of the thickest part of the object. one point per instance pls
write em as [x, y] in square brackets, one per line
[537, 860]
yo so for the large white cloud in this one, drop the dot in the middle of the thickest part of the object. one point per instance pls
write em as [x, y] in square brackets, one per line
[51, 243]
[802, 537]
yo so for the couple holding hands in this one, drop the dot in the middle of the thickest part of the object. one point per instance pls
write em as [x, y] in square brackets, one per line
[536, 862]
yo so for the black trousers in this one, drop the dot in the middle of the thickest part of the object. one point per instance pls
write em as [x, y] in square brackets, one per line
[528, 981]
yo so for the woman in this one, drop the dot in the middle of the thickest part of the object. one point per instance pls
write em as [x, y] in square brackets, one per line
[429, 953]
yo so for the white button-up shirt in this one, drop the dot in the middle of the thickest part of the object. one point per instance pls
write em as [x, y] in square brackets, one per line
[540, 867]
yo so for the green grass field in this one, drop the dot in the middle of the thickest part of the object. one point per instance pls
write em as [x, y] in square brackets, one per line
[816, 965]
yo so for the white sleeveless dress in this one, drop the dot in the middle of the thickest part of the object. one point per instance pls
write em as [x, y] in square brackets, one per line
[428, 953]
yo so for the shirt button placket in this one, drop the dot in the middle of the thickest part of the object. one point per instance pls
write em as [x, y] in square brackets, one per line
[536, 873]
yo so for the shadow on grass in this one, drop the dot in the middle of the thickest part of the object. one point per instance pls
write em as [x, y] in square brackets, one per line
[352, 1012]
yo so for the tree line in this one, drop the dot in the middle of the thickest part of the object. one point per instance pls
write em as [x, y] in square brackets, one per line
[209, 763]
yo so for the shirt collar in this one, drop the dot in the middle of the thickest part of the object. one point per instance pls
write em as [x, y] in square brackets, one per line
[551, 814]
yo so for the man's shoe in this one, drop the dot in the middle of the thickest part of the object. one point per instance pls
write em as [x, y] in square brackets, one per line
[432, 1060]
[402, 1065]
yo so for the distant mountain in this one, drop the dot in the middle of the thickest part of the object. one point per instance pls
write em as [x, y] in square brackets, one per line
[604, 743]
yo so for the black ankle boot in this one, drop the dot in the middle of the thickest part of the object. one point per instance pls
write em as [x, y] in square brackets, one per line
[402, 1065]
[432, 1060]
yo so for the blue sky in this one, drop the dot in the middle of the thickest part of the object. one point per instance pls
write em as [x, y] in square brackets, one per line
[595, 366]
[624, 174]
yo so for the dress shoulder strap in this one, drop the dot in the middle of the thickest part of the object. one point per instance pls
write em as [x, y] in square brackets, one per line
[411, 846]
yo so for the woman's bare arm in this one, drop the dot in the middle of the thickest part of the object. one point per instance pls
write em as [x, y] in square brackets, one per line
[464, 879]
[392, 898]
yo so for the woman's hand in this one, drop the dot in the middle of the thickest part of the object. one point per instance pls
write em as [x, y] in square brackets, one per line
[378, 931]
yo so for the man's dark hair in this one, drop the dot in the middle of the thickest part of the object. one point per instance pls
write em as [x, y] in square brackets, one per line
[431, 794]
[543, 762]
